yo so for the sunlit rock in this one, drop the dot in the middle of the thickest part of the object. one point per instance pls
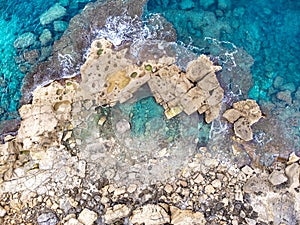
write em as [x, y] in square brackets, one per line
[243, 115]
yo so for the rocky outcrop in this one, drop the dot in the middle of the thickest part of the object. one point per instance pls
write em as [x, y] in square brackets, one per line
[242, 116]
[109, 77]
[182, 217]
[43, 120]
[150, 215]
[66, 56]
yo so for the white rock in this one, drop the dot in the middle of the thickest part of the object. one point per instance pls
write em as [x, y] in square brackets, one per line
[250, 221]
[184, 217]
[212, 163]
[168, 188]
[292, 172]
[199, 179]
[122, 126]
[132, 188]
[119, 191]
[277, 177]
[150, 215]
[87, 217]
[247, 170]
[2, 212]
[216, 183]
[117, 212]
[81, 168]
[209, 189]
[73, 221]
[293, 157]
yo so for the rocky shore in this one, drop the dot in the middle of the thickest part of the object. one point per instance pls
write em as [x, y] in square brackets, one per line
[116, 135]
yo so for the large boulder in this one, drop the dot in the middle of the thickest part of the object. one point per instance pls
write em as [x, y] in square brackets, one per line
[243, 115]
[150, 215]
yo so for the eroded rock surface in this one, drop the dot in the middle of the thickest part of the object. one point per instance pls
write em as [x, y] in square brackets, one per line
[196, 90]
[243, 115]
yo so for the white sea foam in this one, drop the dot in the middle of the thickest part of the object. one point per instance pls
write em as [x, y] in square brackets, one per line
[119, 29]
[218, 129]
[225, 51]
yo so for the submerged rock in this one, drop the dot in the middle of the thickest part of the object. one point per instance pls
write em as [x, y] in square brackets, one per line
[25, 40]
[54, 13]
[45, 37]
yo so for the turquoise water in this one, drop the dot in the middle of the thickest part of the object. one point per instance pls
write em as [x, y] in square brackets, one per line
[267, 30]
[16, 18]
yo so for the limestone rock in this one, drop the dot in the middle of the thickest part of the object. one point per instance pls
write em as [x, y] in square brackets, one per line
[109, 77]
[87, 217]
[25, 40]
[242, 129]
[182, 217]
[41, 120]
[115, 213]
[243, 115]
[199, 68]
[150, 215]
[248, 109]
[54, 13]
[174, 89]
[277, 177]
[293, 173]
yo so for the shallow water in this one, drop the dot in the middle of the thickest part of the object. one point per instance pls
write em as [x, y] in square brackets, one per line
[267, 30]
[16, 18]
